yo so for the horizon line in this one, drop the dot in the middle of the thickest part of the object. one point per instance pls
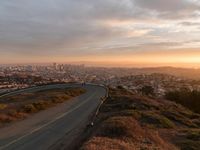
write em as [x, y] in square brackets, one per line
[146, 65]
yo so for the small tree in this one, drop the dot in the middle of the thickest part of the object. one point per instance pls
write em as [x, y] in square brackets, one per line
[147, 90]
[120, 87]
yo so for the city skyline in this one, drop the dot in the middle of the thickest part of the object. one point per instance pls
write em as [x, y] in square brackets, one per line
[129, 33]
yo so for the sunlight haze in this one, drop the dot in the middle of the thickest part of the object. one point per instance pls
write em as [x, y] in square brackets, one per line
[101, 32]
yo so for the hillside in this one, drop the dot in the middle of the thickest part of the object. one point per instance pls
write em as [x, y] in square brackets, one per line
[190, 73]
[131, 122]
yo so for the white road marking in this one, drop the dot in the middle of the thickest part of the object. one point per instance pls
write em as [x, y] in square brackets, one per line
[57, 118]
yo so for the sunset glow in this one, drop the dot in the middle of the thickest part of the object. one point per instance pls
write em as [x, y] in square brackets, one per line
[101, 33]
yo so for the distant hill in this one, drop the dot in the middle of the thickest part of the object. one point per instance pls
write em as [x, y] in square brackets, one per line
[182, 72]
[190, 73]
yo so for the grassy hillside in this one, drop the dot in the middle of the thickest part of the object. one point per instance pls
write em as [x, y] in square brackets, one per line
[130, 122]
[185, 97]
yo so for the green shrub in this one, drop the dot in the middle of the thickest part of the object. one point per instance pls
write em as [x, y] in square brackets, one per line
[156, 120]
[187, 98]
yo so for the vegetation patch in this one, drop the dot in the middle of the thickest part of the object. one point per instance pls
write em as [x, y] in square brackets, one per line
[158, 121]
[186, 97]
[179, 119]
[2, 106]
[193, 135]
[114, 127]
[189, 140]
[130, 113]
[18, 107]
[128, 121]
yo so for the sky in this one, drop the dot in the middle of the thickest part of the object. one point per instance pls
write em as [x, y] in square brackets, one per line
[101, 32]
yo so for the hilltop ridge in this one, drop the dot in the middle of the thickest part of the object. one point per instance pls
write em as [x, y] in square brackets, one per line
[131, 122]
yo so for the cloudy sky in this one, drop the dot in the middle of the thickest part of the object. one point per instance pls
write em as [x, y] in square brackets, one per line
[106, 32]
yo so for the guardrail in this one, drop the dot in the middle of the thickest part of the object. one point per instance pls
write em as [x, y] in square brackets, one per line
[103, 99]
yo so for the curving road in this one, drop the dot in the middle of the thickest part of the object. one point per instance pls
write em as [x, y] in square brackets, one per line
[42, 130]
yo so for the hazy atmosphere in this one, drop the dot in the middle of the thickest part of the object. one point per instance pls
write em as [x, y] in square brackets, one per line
[99, 74]
[101, 32]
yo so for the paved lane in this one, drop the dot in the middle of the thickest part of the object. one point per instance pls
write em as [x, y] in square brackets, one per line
[43, 129]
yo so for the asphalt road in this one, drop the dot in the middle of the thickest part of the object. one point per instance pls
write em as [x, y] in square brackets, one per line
[42, 130]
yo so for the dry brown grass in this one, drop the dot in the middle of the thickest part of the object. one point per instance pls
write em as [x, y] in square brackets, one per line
[18, 107]
[125, 133]
[130, 122]
[2, 106]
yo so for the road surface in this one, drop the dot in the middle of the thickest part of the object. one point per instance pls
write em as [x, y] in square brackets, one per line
[42, 130]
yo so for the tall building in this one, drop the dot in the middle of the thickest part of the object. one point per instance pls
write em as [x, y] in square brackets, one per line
[55, 66]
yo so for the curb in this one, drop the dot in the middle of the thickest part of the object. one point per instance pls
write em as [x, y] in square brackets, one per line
[103, 99]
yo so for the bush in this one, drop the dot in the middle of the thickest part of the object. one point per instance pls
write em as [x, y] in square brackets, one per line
[114, 127]
[147, 90]
[30, 108]
[156, 120]
[41, 105]
[187, 98]
[3, 106]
